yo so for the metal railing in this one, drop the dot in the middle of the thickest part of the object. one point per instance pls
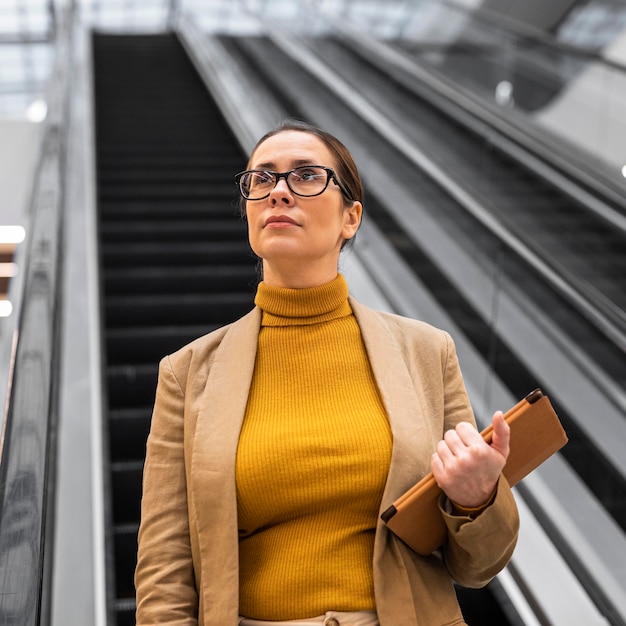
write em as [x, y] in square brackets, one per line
[30, 411]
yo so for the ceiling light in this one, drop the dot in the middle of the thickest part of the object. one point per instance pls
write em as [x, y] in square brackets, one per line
[37, 111]
[8, 270]
[504, 93]
[6, 308]
[12, 234]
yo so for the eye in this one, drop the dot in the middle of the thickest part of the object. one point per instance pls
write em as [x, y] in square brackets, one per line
[309, 174]
[261, 178]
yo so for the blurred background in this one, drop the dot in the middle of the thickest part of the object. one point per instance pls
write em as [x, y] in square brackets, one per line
[491, 137]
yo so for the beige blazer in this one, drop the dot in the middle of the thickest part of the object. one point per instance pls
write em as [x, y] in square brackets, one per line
[187, 570]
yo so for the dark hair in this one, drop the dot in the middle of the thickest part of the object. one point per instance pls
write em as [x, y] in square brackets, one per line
[345, 167]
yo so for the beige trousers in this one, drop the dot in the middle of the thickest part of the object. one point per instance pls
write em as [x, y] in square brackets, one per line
[331, 618]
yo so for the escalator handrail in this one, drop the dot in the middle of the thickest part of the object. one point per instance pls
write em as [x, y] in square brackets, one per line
[30, 408]
[556, 163]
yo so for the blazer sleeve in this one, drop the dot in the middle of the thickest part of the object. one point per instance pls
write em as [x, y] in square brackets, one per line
[164, 577]
[476, 548]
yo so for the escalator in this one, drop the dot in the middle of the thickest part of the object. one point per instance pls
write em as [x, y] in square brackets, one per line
[175, 262]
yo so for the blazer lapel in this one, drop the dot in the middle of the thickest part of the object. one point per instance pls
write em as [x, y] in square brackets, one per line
[410, 458]
[402, 397]
[213, 467]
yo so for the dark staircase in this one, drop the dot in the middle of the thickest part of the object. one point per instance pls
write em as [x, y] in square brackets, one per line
[175, 262]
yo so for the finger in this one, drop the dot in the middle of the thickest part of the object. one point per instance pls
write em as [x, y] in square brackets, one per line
[444, 452]
[468, 434]
[501, 434]
[453, 441]
[460, 443]
[436, 465]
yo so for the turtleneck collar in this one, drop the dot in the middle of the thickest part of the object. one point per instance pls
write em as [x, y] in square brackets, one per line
[291, 307]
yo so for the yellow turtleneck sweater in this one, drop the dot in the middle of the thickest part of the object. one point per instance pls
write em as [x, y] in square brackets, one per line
[312, 460]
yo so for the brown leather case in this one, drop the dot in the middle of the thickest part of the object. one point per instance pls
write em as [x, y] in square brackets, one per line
[536, 434]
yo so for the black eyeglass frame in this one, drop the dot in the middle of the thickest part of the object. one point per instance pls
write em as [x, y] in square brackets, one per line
[330, 175]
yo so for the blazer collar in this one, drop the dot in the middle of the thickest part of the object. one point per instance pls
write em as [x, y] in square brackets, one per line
[214, 496]
[228, 386]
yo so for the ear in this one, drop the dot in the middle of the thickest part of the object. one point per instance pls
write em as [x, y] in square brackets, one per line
[352, 219]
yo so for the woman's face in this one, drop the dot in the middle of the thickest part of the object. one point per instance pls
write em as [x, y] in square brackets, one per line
[296, 236]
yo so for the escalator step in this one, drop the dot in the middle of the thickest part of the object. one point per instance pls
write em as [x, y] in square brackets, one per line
[131, 386]
[126, 483]
[209, 174]
[128, 431]
[165, 209]
[184, 309]
[125, 540]
[148, 191]
[125, 612]
[180, 279]
[150, 345]
[206, 230]
[150, 254]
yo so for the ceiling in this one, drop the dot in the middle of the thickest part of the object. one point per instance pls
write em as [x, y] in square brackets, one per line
[27, 28]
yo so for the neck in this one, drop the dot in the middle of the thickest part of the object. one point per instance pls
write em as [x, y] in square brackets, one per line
[297, 278]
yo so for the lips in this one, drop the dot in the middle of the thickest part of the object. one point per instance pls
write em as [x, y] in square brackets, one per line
[280, 219]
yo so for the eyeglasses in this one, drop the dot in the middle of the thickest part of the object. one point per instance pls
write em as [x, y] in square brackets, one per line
[305, 181]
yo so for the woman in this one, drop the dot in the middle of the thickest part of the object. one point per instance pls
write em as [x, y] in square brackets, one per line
[277, 441]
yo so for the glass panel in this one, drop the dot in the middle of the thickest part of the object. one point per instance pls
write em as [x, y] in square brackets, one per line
[593, 24]
[577, 95]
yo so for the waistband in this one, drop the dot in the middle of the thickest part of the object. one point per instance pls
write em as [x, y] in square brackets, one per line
[330, 618]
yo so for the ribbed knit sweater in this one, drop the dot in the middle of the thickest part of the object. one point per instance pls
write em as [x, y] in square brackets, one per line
[312, 461]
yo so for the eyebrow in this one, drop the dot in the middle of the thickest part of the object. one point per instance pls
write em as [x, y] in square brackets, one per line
[295, 163]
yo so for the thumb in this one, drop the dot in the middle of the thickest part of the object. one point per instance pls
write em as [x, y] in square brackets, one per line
[501, 434]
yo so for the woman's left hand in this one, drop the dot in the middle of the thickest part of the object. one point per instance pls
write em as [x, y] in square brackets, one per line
[467, 468]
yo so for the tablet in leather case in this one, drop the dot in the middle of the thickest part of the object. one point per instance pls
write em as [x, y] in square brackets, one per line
[536, 434]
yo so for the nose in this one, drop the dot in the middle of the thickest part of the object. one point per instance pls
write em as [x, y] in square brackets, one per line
[281, 194]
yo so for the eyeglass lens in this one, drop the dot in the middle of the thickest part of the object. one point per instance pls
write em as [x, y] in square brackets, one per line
[303, 181]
